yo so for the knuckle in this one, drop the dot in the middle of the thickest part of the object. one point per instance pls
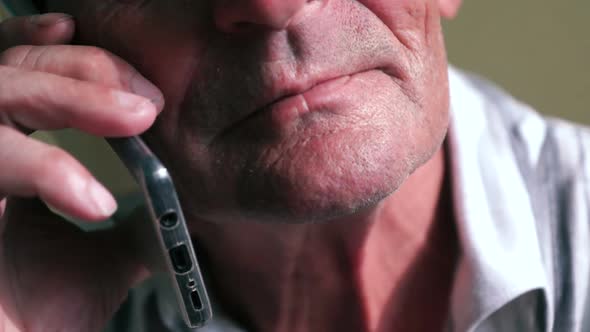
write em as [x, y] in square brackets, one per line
[16, 56]
[93, 53]
[105, 67]
[97, 59]
[54, 164]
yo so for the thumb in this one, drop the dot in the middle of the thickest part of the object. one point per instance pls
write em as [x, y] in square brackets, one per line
[45, 29]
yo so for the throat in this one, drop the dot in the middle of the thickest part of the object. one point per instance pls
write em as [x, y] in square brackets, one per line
[376, 290]
[391, 282]
[410, 294]
[390, 268]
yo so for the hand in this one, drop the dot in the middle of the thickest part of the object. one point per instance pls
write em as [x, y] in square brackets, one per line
[54, 277]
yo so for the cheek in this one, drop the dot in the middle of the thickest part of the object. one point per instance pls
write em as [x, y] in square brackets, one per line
[159, 40]
[416, 25]
[411, 21]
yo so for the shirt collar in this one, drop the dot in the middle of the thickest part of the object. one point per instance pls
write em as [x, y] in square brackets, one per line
[500, 257]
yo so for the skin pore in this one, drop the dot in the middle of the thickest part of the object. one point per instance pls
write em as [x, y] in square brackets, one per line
[305, 140]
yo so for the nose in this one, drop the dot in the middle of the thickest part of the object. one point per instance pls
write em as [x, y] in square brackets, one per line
[243, 15]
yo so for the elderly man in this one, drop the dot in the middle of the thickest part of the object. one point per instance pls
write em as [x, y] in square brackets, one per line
[307, 141]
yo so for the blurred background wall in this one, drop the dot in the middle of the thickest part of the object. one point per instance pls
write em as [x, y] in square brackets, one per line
[539, 50]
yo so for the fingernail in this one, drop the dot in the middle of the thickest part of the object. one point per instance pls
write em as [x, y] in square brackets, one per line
[105, 204]
[144, 88]
[133, 103]
[47, 20]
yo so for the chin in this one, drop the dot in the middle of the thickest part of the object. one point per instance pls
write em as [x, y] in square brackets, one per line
[316, 204]
[322, 180]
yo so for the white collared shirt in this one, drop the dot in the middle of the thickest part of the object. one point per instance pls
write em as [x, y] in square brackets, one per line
[521, 194]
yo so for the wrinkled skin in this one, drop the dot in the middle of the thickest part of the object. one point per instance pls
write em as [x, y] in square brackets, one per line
[220, 63]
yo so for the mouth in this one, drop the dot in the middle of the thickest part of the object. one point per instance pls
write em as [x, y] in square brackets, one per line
[295, 101]
[323, 85]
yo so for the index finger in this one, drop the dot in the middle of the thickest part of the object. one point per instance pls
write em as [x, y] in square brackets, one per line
[45, 29]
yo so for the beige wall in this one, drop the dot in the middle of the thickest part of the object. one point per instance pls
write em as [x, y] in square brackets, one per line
[539, 50]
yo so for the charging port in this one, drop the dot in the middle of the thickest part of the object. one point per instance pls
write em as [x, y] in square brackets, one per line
[196, 300]
[181, 260]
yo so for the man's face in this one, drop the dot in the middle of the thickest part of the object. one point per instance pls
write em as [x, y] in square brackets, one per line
[285, 110]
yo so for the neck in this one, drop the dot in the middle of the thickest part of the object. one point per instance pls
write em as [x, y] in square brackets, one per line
[381, 270]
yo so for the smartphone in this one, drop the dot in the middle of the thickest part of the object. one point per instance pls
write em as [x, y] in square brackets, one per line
[176, 254]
